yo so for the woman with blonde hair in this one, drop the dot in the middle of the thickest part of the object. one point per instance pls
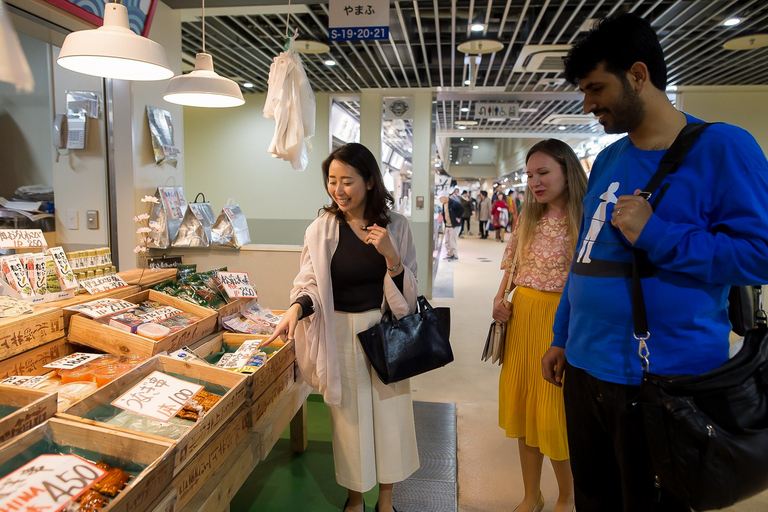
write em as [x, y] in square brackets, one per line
[530, 408]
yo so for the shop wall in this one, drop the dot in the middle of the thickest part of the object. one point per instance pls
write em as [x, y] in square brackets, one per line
[25, 125]
[744, 106]
[226, 157]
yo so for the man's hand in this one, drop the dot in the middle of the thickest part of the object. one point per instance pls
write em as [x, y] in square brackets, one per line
[630, 215]
[553, 364]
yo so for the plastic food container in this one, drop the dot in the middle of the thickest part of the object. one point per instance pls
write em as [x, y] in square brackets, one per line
[105, 360]
[83, 373]
[153, 331]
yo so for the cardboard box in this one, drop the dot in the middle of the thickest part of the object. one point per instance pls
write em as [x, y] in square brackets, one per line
[34, 407]
[31, 362]
[21, 333]
[118, 449]
[89, 332]
[193, 440]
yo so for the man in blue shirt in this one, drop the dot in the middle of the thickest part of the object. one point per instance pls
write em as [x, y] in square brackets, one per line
[708, 232]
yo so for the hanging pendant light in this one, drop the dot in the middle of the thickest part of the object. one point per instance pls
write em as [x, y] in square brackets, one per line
[114, 50]
[203, 87]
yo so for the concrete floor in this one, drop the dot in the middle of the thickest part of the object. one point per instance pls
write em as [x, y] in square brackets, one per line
[488, 462]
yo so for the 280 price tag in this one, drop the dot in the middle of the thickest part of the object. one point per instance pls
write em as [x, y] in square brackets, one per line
[49, 482]
[159, 396]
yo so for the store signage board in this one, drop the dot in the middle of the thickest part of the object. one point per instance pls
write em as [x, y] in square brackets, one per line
[101, 284]
[497, 111]
[72, 361]
[102, 307]
[48, 482]
[164, 262]
[350, 20]
[237, 284]
[22, 239]
[159, 396]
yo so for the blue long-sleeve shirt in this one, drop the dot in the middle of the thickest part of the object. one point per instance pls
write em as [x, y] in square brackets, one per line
[709, 231]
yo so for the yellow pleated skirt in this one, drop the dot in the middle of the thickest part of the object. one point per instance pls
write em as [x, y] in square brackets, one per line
[529, 406]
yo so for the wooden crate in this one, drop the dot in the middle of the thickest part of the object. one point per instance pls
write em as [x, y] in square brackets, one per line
[150, 278]
[119, 293]
[21, 333]
[233, 308]
[34, 408]
[205, 464]
[59, 436]
[261, 379]
[87, 331]
[198, 435]
[264, 404]
[31, 362]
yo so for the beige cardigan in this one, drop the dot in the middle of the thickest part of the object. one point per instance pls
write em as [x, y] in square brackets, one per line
[316, 352]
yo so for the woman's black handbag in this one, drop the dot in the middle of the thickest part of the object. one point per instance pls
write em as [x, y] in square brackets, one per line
[707, 434]
[415, 344]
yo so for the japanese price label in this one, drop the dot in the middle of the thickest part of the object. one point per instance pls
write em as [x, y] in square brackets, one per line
[242, 354]
[48, 483]
[102, 307]
[159, 396]
[72, 361]
[63, 270]
[237, 284]
[23, 380]
[21, 238]
[101, 284]
[174, 201]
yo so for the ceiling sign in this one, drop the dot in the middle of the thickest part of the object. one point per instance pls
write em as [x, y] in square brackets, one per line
[497, 111]
[358, 20]
[398, 108]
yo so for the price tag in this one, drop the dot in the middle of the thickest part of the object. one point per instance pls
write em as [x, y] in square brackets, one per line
[22, 238]
[242, 354]
[237, 285]
[174, 201]
[49, 483]
[101, 284]
[159, 396]
[72, 361]
[23, 380]
[102, 307]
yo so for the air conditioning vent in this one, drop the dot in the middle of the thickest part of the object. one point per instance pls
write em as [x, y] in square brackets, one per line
[570, 119]
[541, 58]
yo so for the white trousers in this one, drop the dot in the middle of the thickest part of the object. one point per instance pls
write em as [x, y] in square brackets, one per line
[374, 436]
[451, 241]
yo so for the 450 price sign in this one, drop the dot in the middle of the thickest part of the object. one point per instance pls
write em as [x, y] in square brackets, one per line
[48, 483]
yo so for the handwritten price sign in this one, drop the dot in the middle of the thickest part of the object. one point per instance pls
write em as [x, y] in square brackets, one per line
[71, 361]
[101, 284]
[22, 238]
[48, 483]
[159, 396]
[237, 285]
[102, 307]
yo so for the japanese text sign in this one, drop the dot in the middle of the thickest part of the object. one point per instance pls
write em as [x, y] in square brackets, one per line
[353, 20]
[158, 396]
[102, 307]
[72, 361]
[21, 238]
[236, 284]
[102, 284]
[49, 483]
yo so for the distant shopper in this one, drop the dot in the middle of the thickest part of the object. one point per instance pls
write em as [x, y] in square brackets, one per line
[530, 408]
[358, 261]
[452, 211]
[500, 215]
[467, 215]
[483, 213]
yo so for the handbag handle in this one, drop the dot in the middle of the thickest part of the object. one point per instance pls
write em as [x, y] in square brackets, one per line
[198, 195]
[513, 269]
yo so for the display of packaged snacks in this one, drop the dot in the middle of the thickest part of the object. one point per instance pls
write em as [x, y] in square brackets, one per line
[198, 404]
[113, 482]
[127, 322]
[179, 322]
[153, 331]
[14, 307]
[262, 314]
[184, 271]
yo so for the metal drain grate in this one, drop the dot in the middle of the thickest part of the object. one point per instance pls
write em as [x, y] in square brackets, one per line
[433, 487]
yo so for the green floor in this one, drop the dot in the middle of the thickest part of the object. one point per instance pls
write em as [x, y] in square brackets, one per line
[287, 482]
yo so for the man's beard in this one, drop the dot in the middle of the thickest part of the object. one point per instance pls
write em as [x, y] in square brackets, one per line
[628, 114]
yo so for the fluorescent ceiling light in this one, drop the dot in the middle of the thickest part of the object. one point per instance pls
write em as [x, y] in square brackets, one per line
[248, 85]
[329, 62]
[561, 128]
[114, 51]
[462, 127]
[475, 147]
[465, 109]
[466, 123]
[528, 110]
[731, 22]
[477, 27]
[467, 82]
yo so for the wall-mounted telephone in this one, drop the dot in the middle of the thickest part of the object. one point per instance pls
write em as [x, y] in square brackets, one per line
[69, 131]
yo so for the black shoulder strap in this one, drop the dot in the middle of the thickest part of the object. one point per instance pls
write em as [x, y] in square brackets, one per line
[675, 155]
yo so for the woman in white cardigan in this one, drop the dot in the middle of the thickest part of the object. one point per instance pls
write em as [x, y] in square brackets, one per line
[358, 261]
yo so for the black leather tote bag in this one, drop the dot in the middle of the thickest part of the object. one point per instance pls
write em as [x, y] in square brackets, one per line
[415, 344]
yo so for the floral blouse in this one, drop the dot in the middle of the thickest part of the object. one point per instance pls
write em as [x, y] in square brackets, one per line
[545, 266]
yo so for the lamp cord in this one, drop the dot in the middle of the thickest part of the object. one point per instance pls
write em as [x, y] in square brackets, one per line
[203, 26]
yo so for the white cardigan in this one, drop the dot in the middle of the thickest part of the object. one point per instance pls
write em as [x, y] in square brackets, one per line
[316, 352]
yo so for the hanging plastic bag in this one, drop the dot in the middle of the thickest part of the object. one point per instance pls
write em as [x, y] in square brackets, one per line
[167, 214]
[231, 228]
[195, 229]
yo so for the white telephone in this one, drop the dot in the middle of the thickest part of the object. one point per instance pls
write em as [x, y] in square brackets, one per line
[69, 131]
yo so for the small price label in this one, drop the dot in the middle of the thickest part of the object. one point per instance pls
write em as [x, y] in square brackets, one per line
[72, 361]
[102, 307]
[101, 284]
[24, 381]
[22, 238]
[237, 285]
[159, 396]
[49, 483]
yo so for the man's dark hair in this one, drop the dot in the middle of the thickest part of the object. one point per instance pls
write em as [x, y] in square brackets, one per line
[484, 193]
[619, 41]
[378, 200]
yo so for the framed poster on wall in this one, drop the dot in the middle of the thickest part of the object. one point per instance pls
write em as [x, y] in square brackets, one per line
[140, 12]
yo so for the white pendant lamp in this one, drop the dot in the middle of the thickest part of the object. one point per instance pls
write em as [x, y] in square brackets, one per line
[203, 87]
[114, 50]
